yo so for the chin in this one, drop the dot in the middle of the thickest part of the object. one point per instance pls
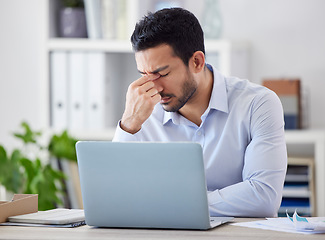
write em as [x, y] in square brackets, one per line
[167, 107]
[171, 108]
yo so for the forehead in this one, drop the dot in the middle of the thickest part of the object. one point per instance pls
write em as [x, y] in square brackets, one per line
[153, 58]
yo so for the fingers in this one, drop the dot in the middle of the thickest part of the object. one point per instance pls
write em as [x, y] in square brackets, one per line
[141, 98]
[152, 92]
[146, 78]
[144, 84]
[156, 98]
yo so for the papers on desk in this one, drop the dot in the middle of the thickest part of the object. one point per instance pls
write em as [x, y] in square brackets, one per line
[307, 224]
[294, 224]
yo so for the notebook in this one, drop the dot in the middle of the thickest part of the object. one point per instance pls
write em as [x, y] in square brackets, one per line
[144, 185]
[59, 217]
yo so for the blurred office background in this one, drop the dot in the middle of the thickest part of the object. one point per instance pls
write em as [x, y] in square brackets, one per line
[282, 39]
[286, 39]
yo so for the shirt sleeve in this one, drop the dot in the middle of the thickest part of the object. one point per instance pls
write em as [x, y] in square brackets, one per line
[123, 136]
[265, 164]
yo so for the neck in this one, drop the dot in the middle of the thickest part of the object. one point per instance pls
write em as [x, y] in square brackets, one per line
[199, 102]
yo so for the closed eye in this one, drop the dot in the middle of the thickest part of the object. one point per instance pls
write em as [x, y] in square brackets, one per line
[164, 75]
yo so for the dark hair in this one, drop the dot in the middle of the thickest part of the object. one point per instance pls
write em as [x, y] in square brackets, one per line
[176, 27]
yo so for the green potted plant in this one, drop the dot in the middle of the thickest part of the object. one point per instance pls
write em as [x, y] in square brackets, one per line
[25, 171]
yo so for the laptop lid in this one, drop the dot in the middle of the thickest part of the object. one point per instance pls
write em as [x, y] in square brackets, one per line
[143, 185]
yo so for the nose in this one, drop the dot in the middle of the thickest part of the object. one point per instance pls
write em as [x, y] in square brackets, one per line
[158, 85]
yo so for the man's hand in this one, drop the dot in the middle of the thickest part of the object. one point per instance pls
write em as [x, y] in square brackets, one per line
[141, 98]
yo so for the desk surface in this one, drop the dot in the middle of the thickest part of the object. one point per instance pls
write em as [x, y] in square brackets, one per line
[226, 231]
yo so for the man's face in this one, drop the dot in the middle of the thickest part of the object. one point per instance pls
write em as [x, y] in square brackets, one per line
[176, 84]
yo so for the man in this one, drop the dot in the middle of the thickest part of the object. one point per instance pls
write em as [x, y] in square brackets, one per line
[181, 98]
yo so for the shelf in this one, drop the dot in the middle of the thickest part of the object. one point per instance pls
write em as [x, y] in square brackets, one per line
[310, 144]
[296, 192]
[222, 46]
[104, 135]
[69, 44]
[299, 191]
[304, 136]
[300, 161]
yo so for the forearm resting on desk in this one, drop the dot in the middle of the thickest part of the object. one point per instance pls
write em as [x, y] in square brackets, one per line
[250, 198]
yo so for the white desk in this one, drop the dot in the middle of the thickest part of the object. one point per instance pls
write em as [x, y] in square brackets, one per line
[85, 232]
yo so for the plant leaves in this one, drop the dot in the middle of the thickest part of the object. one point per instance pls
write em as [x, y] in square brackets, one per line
[20, 174]
[28, 136]
[11, 177]
[63, 146]
[43, 180]
[3, 163]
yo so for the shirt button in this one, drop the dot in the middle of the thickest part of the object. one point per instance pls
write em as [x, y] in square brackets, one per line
[199, 133]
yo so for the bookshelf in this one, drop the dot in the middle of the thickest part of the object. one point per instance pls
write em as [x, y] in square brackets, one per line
[120, 70]
[231, 58]
[299, 188]
[306, 148]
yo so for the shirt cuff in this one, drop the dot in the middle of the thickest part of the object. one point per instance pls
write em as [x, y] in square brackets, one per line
[123, 136]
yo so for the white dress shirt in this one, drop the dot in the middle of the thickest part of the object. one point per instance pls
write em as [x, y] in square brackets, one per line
[244, 150]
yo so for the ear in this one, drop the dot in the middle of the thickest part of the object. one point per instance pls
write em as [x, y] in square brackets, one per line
[197, 62]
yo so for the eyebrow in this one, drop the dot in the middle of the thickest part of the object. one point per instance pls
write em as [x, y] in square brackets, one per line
[157, 70]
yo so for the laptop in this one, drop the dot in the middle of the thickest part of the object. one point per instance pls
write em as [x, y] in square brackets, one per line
[144, 185]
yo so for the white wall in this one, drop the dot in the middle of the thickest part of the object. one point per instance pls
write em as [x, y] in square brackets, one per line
[19, 66]
[287, 39]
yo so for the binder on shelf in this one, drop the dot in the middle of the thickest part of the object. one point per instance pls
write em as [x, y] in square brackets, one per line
[115, 19]
[121, 21]
[93, 18]
[58, 89]
[77, 80]
[95, 91]
[289, 93]
[109, 19]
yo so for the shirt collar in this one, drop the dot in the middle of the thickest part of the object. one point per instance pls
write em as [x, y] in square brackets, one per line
[171, 116]
[218, 100]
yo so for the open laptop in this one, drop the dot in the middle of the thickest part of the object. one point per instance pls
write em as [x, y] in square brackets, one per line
[144, 185]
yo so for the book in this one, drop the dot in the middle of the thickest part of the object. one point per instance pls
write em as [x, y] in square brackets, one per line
[289, 92]
[109, 15]
[115, 16]
[121, 20]
[93, 18]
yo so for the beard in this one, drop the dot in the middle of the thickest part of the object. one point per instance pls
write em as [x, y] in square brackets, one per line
[189, 88]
